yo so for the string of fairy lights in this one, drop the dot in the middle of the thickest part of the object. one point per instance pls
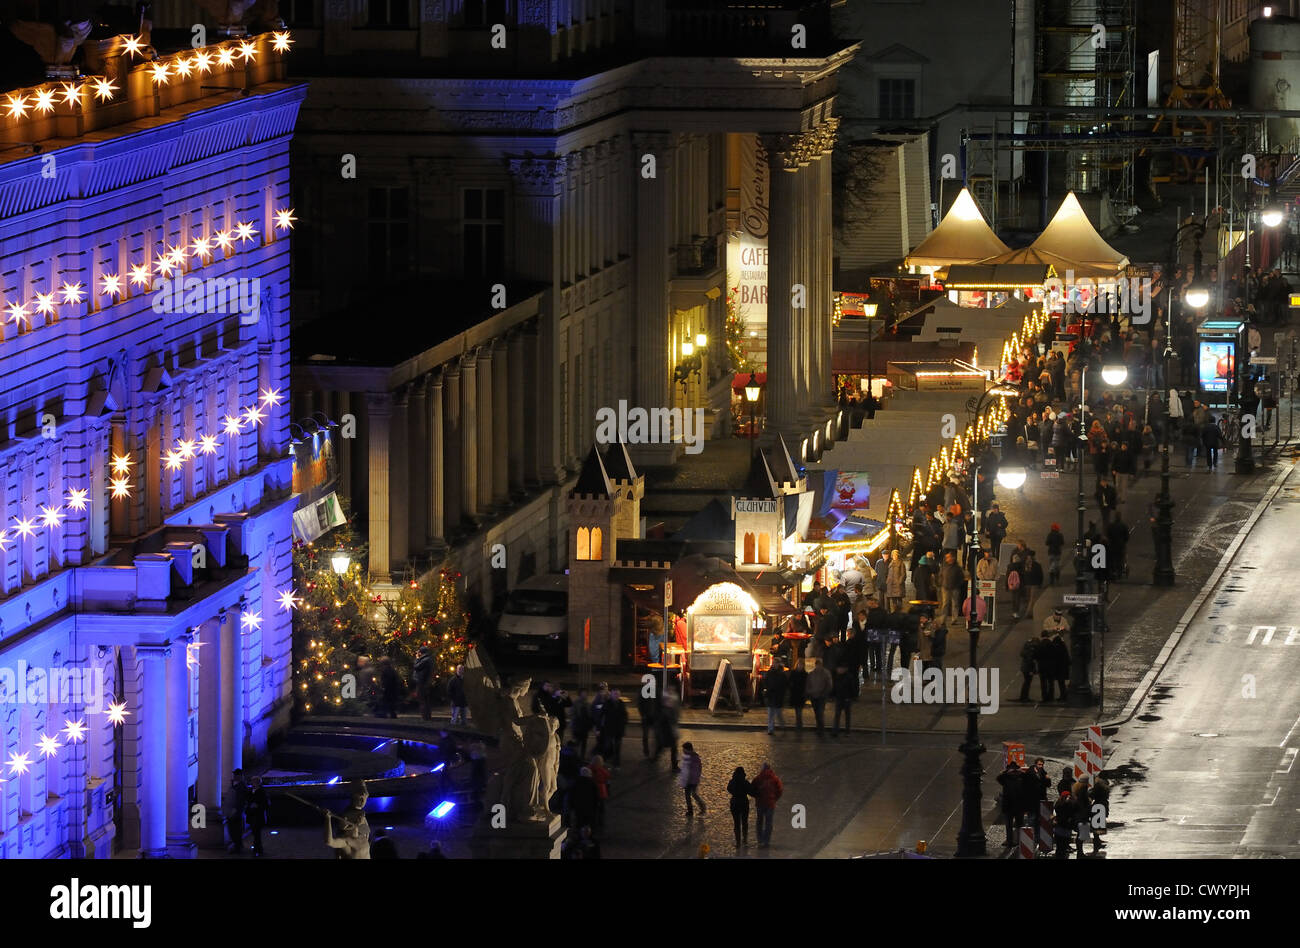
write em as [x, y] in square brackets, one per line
[77, 498]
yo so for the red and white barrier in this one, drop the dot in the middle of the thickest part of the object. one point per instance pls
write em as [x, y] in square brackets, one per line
[1027, 842]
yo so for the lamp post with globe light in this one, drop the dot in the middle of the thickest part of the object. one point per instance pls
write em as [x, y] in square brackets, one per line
[869, 311]
[752, 390]
[970, 838]
[340, 562]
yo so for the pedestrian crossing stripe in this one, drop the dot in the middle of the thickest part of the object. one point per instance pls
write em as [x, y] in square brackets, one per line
[1262, 635]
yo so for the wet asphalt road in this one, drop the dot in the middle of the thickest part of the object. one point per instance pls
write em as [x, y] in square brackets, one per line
[1206, 769]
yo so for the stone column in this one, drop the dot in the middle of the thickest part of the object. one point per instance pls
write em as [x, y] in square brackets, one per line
[418, 471]
[518, 402]
[501, 430]
[399, 477]
[486, 454]
[654, 197]
[435, 458]
[178, 748]
[802, 318]
[211, 764]
[824, 240]
[453, 504]
[232, 697]
[469, 436]
[379, 408]
[153, 741]
[534, 410]
[782, 409]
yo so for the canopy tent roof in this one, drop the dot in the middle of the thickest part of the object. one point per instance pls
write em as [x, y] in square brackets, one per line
[1037, 256]
[1071, 235]
[963, 236]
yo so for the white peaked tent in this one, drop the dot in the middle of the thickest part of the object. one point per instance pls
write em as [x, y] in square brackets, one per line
[963, 236]
[1070, 235]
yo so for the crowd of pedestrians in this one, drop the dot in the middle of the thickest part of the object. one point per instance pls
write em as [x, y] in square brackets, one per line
[1079, 812]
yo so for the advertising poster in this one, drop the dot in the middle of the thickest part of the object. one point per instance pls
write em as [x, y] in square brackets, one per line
[1216, 365]
[852, 491]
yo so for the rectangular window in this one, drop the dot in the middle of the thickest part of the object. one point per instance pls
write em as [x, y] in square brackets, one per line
[389, 14]
[897, 98]
[389, 231]
[483, 229]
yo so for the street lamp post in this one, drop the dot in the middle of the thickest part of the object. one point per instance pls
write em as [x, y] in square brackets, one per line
[752, 391]
[340, 562]
[970, 838]
[869, 310]
[1164, 533]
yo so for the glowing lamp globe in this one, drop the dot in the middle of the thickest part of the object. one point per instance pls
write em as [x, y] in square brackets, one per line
[1271, 215]
[340, 561]
[1197, 296]
[1114, 374]
[1011, 477]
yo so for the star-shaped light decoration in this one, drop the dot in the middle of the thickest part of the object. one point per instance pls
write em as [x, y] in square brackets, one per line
[245, 232]
[203, 61]
[176, 257]
[77, 498]
[202, 248]
[111, 285]
[225, 56]
[173, 460]
[288, 600]
[19, 763]
[140, 275]
[72, 293]
[164, 265]
[4, 541]
[208, 444]
[281, 42]
[44, 101]
[48, 746]
[72, 91]
[223, 239]
[284, 219]
[253, 416]
[184, 67]
[250, 620]
[18, 312]
[45, 304]
[117, 712]
[121, 464]
[76, 730]
[191, 656]
[50, 517]
[131, 45]
[25, 527]
[119, 487]
[232, 425]
[17, 107]
[248, 51]
[185, 449]
[271, 396]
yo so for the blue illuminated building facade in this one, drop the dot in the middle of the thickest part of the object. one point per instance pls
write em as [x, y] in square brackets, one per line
[145, 484]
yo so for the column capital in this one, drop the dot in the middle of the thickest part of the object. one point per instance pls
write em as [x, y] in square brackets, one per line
[826, 134]
[153, 651]
[786, 151]
[539, 177]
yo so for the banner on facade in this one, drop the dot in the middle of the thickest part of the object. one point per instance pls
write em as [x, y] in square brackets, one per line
[852, 492]
[317, 518]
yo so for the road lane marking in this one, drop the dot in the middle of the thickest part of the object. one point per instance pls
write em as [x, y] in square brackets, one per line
[1288, 760]
[1268, 636]
[1290, 732]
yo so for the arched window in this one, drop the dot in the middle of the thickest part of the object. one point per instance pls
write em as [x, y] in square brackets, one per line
[764, 548]
[597, 546]
[749, 548]
[584, 543]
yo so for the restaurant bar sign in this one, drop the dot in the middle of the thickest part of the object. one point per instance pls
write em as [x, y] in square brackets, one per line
[756, 506]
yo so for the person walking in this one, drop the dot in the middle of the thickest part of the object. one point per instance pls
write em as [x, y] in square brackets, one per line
[995, 526]
[423, 673]
[1082, 812]
[601, 775]
[1117, 547]
[390, 690]
[456, 692]
[584, 799]
[1013, 809]
[615, 728]
[797, 686]
[952, 587]
[1028, 665]
[689, 780]
[1212, 440]
[767, 790]
[1060, 662]
[818, 687]
[1031, 581]
[740, 790]
[255, 810]
[1100, 798]
[775, 684]
[1106, 499]
[236, 803]
[666, 733]
[895, 582]
[582, 723]
[1063, 824]
[1055, 542]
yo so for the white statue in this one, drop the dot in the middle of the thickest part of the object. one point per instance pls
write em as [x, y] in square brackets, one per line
[528, 743]
[354, 839]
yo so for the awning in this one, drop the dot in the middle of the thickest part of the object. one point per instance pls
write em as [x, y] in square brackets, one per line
[998, 276]
[774, 604]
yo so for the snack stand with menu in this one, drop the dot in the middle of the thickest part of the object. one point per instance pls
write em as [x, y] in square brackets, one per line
[721, 623]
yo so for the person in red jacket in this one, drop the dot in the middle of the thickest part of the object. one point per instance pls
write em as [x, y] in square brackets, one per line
[601, 775]
[767, 790]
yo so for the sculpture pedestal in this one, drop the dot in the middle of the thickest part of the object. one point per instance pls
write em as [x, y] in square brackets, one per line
[533, 840]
